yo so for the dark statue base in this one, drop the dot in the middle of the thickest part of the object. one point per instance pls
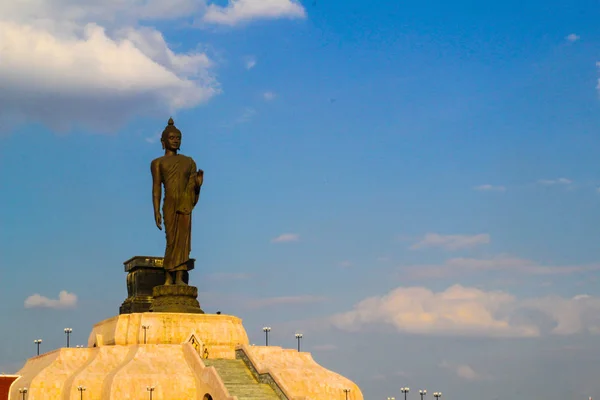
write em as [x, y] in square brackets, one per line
[175, 299]
[143, 274]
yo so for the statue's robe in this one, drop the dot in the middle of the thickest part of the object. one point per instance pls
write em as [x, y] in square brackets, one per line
[178, 175]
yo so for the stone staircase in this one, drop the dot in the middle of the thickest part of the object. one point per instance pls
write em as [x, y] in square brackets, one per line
[239, 380]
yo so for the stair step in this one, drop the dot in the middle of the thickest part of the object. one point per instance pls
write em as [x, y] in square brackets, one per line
[239, 381]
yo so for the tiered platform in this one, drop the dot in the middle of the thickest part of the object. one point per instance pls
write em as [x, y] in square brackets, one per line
[182, 356]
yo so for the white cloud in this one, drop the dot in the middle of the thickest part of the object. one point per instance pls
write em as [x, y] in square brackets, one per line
[451, 242]
[468, 311]
[572, 37]
[250, 62]
[463, 371]
[490, 188]
[504, 263]
[84, 76]
[345, 264]
[239, 11]
[285, 238]
[268, 96]
[551, 182]
[65, 300]
[466, 372]
[285, 300]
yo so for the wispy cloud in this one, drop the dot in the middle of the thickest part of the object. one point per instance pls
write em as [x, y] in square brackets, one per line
[250, 62]
[286, 238]
[285, 300]
[551, 182]
[65, 300]
[451, 242]
[467, 311]
[503, 263]
[154, 138]
[268, 96]
[490, 188]
[240, 11]
[345, 264]
[572, 38]
[246, 115]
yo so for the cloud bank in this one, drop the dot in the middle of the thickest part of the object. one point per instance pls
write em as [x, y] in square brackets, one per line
[552, 182]
[490, 188]
[451, 242]
[465, 311]
[65, 300]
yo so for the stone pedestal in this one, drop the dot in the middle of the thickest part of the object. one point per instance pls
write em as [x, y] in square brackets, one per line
[143, 274]
[175, 299]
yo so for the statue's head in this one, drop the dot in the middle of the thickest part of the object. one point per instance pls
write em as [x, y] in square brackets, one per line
[171, 137]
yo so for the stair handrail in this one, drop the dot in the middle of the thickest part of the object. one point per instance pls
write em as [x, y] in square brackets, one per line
[208, 375]
[280, 389]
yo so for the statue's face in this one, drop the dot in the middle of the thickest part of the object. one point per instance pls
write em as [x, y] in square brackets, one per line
[172, 141]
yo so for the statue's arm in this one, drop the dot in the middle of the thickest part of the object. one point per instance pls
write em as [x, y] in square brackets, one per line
[194, 183]
[156, 191]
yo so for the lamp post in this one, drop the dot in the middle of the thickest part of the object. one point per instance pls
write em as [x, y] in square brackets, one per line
[81, 390]
[346, 391]
[145, 328]
[422, 392]
[405, 390]
[298, 337]
[37, 343]
[266, 330]
[68, 333]
[437, 395]
[23, 392]
[150, 389]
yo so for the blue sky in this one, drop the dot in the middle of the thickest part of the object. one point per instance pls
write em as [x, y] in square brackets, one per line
[432, 167]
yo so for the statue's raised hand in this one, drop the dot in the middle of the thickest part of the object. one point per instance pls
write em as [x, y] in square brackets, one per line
[199, 178]
[158, 219]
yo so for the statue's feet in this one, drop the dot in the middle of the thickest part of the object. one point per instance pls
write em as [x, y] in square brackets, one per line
[179, 278]
[169, 279]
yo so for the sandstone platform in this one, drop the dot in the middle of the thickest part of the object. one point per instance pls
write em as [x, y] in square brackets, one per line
[185, 357]
[217, 334]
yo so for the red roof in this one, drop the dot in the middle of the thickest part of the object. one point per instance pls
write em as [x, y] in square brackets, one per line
[5, 382]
